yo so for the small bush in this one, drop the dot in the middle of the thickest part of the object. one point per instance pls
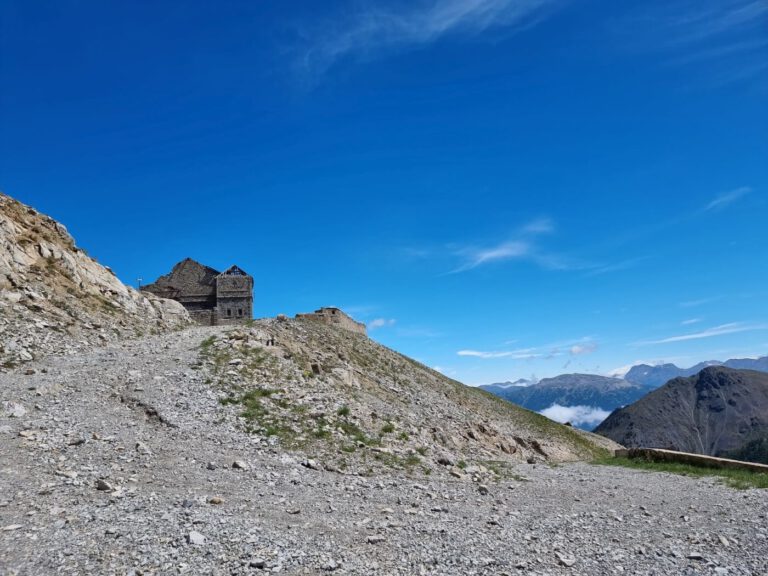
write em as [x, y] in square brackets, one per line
[411, 460]
[343, 411]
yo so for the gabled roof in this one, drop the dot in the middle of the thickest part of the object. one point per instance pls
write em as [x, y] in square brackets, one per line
[234, 271]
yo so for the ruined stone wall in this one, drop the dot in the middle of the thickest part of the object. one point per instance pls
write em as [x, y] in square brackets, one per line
[203, 317]
[335, 317]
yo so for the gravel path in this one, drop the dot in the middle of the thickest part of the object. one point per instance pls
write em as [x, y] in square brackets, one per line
[119, 462]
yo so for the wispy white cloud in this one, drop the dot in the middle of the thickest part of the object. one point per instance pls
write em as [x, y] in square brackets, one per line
[621, 371]
[616, 267]
[728, 198]
[582, 349]
[712, 20]
[576, 415]
[723, 329]
[512, 250]
[514, 354]
[521, 245]
[699, 302]
[726, 33]
[381, 323]
[539, 226]
[690, 321]
[574, 348]
[386, 26]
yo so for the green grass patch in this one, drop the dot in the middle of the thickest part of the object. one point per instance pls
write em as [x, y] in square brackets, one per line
[206, 344]
[411, 460]
[343, 411]
[739, 479]
[356, 433]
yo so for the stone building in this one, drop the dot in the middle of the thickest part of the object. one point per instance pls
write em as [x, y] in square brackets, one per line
[212, 298]
[335, 317]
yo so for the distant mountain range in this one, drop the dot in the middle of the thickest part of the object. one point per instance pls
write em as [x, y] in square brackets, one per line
[655, 376]
[719, 411]
[570, 390]
[592, 393]
[600, 395]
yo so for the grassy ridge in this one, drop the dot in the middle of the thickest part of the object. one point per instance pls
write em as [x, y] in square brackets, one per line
[739, 479]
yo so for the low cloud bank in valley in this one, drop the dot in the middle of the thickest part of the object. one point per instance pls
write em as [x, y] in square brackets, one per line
[581, 416]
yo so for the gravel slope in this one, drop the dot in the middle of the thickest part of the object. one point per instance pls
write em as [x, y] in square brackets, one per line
[139, 422]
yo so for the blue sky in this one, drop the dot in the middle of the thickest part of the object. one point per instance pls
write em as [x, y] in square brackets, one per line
[500, 188]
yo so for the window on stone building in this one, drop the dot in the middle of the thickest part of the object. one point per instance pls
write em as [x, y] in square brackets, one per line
[239, 311]
[229, 311]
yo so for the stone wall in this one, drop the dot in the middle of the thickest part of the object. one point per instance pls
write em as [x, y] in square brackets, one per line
[660, 455]
[234, 298]
[203, 317]
[210, 297]
[334, 317]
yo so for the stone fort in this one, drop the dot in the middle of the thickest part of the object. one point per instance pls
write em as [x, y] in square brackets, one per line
[212, 298]
[215, 298]
[334, 317]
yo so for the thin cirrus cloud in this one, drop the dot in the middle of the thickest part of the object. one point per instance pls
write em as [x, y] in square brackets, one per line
[513, 354]
[578, 348]
[706, 20]
[512, 250]
[723, 329]
[380, 27]
[699, 302]
[728, 33]
[377, 323]
[522, 246]
[582, 349]
[727, 198]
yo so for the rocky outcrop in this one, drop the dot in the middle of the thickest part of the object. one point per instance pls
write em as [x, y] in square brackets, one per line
[355, 404]
[54, 298]
[718, 412]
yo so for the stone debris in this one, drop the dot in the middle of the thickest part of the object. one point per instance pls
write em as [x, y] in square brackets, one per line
[567, 561]
[419, 475]
[14, 410]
